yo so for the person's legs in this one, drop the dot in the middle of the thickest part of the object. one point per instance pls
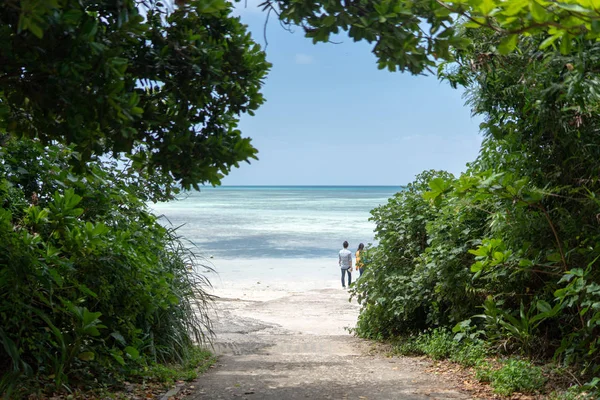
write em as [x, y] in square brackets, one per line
[360, 271]
[343, 278]
[349, 276]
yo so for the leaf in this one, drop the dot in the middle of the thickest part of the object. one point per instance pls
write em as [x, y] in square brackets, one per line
[118, 358]
[90, 317]
[119, 338]
[36, 29]
[329, 20]
[438, 184]
[566, 278]
[486, 6]
[86, 356]
[508, 44]
[477, 267]
[554, 257]
[212, 6]
[539, 13]
[514, 7]
[549, 41]
[132, 352]
[72, 16]
[574, 7]
[543, 306]
[565, 44]
[56, 277]
[523, 262]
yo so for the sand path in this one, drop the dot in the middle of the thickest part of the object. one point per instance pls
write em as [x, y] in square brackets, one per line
[295, 345]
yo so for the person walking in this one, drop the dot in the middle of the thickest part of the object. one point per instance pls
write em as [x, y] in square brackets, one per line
[359, 264]
[345, 261]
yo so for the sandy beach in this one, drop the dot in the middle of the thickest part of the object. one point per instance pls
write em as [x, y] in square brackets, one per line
[288, 339]
[271, 276]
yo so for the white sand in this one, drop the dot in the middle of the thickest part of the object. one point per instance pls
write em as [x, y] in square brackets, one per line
[264, 279]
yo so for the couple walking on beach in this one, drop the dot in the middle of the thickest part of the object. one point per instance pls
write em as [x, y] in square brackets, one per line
[345, 261]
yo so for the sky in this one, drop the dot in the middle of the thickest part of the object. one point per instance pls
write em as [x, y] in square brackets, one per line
[332, 118]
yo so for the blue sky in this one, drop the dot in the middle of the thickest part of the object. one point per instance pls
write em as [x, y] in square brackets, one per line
[332, 118]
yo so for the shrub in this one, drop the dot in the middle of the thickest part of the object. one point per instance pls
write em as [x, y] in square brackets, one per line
[441, 344]
[469, 353]
[438, 344]
[91, 285]
[512, 376]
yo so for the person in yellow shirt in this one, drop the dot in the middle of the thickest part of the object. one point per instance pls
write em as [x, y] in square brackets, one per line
[359, 264]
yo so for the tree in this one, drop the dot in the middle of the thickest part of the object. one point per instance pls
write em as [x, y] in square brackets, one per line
[415, 35]
[166, 87]
[517, 233]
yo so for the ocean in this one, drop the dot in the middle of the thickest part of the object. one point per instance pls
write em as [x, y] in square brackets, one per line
[270, 234]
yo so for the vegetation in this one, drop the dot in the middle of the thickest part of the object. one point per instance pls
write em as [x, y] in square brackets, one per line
[103, 106]
[164, 87]
[505, 377]
[416, 35]
[509, 249]
[91, 285]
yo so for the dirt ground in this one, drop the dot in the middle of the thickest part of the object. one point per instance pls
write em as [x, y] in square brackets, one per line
[296, 345]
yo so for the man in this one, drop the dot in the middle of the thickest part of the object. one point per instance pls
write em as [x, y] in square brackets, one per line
[345, 261]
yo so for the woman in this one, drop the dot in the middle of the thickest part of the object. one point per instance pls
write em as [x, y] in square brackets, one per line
[359, 264]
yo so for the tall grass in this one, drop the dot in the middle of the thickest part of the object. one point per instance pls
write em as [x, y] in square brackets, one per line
[92, 286]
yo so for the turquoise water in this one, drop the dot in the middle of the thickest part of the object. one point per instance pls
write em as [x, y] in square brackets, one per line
[275, 222]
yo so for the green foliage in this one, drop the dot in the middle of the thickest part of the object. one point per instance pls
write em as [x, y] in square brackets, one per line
[441, 344]
[166, 87]
[414, 36]
[470, 353]
[516, 235]
[543, 153]
[91, 285]
[517, 333]
[407, 346]
[588, 391]
[198, 362]
[438, 344]
[513, 376]
[418, 275]
[385, 287]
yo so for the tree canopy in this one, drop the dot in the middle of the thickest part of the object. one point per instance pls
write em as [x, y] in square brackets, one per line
[164, 86]
[416, 35]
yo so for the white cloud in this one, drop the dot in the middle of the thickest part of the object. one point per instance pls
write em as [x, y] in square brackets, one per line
[304, 59]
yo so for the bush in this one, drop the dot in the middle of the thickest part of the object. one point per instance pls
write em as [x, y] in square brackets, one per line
[438, 344]
[470, 353]
[588, 391]
[441, 344]
[517, 233]
[512, 376]
[92, 287]
[407, 346]
[417, 277]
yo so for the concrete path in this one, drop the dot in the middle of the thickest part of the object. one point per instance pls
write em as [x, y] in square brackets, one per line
[282, 345]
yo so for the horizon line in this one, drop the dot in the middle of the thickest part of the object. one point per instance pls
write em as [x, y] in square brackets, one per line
[287, 185]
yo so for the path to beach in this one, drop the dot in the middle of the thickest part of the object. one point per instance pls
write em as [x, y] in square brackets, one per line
[277, 344]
